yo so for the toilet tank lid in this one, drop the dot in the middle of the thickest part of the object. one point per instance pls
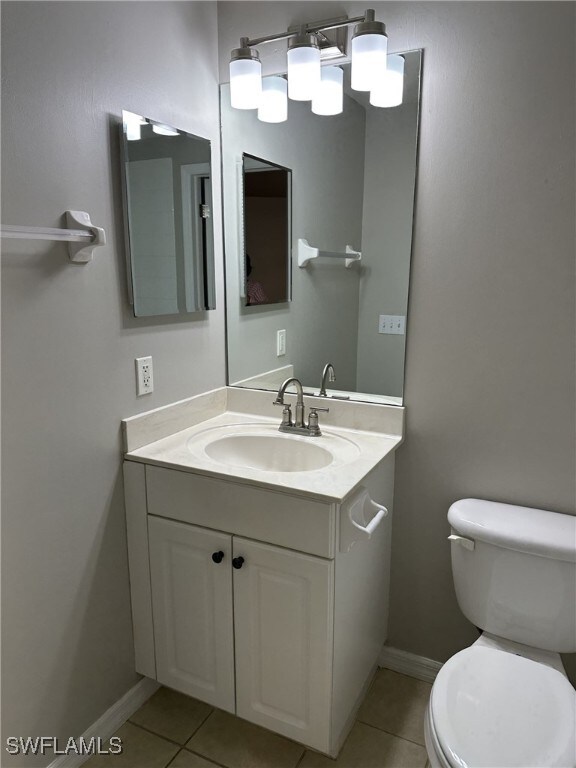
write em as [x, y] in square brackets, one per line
[535, 531]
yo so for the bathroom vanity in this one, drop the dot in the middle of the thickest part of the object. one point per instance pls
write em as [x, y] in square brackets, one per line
[260, 586]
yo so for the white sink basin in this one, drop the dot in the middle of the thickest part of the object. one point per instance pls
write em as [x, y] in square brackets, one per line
[271, 453]
[260, 447]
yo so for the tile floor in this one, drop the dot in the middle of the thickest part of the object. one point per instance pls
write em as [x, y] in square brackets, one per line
[173, 730]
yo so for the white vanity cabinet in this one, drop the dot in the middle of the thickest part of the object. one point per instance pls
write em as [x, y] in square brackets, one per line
[242, 598]
[214, 595]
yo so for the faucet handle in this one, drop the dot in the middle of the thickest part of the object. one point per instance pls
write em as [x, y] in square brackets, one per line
[313, 428]
[286, 414]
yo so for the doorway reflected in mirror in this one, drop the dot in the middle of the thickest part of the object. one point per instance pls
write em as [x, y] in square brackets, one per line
[266, 231]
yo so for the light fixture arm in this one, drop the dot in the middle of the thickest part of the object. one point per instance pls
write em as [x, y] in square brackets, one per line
[309, 29]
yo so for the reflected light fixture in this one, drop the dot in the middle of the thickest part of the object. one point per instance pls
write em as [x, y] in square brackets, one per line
[369, 47]
[274, 101]
[132, 125]
[329, 96]
[389, 91]
[308, 44]
[245, 77]
[164, 130]
[303, 66]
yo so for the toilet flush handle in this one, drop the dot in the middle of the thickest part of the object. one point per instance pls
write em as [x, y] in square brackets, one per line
[466, 543]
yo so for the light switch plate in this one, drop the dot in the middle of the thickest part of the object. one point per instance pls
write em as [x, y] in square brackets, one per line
[394, 324]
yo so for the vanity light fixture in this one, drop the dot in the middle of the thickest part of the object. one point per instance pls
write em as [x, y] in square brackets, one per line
[308, 45]
[274, 102]
[329, 96]
[389, 91]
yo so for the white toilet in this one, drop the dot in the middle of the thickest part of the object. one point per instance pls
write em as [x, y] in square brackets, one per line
[505, 702]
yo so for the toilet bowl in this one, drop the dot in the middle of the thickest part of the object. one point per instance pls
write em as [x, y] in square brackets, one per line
[503, 703]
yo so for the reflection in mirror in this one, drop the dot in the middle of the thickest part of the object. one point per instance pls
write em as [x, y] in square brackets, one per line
[266, 206]
[353, 178]
[167, 189]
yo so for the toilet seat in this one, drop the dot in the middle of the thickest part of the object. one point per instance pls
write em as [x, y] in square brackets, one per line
[493, 709]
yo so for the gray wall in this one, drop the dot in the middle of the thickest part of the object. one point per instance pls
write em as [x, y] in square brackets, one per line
[69, 341]
[490, 355]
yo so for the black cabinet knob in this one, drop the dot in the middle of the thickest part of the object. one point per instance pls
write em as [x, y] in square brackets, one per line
[218, 556]
[237, 562]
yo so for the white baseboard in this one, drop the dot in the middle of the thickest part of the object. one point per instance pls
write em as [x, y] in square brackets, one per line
[409, 664]
[111, 720]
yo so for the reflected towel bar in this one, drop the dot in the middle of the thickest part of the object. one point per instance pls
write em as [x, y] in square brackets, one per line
[307, 252]
[81, 241]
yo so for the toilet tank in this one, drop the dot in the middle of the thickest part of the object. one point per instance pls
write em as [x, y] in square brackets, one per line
[519, 579]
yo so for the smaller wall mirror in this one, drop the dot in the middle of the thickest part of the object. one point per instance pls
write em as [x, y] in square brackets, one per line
[267, 231]
[166, 179]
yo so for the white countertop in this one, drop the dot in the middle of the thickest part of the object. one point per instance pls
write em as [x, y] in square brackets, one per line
[356, 451]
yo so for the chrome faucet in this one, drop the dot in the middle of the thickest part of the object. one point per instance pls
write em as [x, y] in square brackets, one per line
[297, 426]
[287, 417]
[328, 374]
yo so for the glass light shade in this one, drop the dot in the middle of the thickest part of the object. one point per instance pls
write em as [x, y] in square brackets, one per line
[389, 91]
[303, 72]
[368, 60]
[245, 83]
[274, 101]
[329, 96]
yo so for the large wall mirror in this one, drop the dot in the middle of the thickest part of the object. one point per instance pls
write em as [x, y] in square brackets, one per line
[166, 179]
[353, 184]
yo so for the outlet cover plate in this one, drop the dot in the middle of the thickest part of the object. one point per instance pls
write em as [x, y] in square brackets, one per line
[280, 343]
[144, 376]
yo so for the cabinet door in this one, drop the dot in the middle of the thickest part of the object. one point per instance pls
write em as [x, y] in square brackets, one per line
[283, 620]
[192, 608]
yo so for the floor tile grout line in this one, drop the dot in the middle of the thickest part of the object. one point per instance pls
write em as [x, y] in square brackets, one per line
[208, 759]
[223, 765]
[195, 731]
[155, 733]
[383, 730]
[301, 757]
[169, 763]
[173, 741]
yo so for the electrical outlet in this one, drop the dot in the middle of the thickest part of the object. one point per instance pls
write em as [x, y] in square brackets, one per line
[280, 343]
[395, 324]
[144, 376]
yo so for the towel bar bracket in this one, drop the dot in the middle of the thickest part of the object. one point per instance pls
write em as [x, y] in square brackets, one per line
[82, 236]
[307, 252]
